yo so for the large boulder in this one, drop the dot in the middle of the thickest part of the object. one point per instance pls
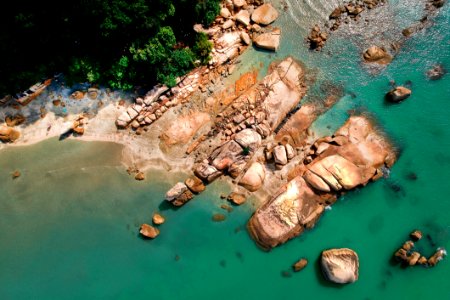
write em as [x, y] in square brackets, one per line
[269, 40]
[265, 14]
[377, 55]
[398, 94]
[248, 138]
[254, 177]
[243, 17]
[8, 134]
[340, 265]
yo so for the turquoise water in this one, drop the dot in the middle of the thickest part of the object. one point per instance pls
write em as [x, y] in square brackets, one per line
[69, 224]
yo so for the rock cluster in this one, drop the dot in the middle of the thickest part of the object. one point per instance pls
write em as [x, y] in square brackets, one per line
[408, 254]
[340, 265]
[280, 154]
[16, 120]
[356, 154]
[179, 194]
[349, 10]
[398, 94]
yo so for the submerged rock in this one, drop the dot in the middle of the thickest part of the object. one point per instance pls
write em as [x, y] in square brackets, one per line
[218, 217]
[15, 174]
[139, 176]
[398, 94]
[236, 198]
[149, 231]
[340, 265]
[436, 72]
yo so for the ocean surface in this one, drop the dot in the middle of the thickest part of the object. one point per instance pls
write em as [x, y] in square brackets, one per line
[69, 225]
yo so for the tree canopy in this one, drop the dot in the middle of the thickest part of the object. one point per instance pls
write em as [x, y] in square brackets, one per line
[121, 43]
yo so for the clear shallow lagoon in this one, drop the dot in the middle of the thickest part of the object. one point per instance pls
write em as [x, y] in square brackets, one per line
[69, 224]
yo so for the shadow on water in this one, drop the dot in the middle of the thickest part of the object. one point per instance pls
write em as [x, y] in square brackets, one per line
[165, 206]
[65, 135]
[321, 278]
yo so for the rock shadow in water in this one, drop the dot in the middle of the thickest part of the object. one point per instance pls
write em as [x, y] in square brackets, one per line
[165, 206]
[321, 278]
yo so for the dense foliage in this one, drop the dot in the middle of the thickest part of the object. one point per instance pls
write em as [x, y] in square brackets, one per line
[122, 43]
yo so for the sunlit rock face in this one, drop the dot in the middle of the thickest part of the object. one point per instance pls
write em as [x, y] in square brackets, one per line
[352, 157]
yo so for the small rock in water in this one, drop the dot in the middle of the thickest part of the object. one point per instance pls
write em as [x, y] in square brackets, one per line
[416, 235]
[218, 217]
[149, 231]
[139, 176]
[158, 219]
[300, 265]
[15, 174]
[436, 72]
[340, 265]
[236, 198]
[411, 176]
[226, 207]
[398, 94]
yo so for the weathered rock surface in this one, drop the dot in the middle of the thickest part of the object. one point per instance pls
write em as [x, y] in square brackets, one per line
[265, 14]
[279, 155]
[8, 134]
[184, 129]
[356, 154]
[398, 94]
[243, 17]
[207, 172]
[377, 55]
[139, 176]
[340, 265]
[248, 138]
[149, 231]
[254, 177]
[269, 40]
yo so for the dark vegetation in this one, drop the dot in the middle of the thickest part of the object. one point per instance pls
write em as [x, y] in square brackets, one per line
[120, 43]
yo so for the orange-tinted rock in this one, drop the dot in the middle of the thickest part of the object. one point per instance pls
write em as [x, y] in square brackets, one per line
[158, 219]
[398, 94]
[195, 184]
[377, 55]
[236, 198]
[218, 217]
[416, 235]
[300, 265]
[8, 134]
[139, 176]
[149, 231]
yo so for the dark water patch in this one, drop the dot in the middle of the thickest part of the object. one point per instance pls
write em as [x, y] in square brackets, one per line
[376, 224]
[239, 256]
[442, 158]
[382, 285]
[165, 206]
[177, 257]
[395, 191]
[223, 263]
[286, 274]
[412, 176]
[408, 84]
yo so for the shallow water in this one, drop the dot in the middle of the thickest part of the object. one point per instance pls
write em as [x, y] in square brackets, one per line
[69, 224]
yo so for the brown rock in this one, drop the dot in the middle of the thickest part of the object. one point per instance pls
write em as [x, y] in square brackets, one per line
[77, 95]
[300, 265]
[398, 94]
[8, 134]
[226, 207]
[149, 231]
[158, 219]
[15, 174]
[218, 217]
[377, 55]
[243, 17]
[254, 177]
[56, 102]
[183, 198]
[265, 14]
[422, 261]
[408, 245]
[236, 198]
[416, 235]
[413, 258]
[139, 176]
[437, 257]
[340, 265]
[195, 184]
[269, 40]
